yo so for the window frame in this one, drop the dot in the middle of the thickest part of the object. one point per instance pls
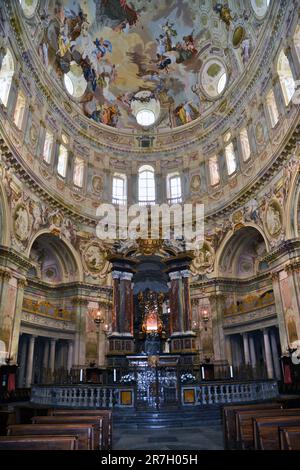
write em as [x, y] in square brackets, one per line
[147, 170]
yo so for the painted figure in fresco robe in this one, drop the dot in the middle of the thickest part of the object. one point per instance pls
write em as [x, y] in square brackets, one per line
[245, 50]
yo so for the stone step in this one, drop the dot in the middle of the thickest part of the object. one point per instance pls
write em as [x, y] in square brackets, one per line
[166, 419]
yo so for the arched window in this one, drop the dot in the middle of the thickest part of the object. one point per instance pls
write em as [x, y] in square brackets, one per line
[297, 41]
[214, 170]
[48, 146]
[62, 157]
[286, 79]
[78, 172]
[272, 108]
[6, 75]
[230, 159]
[146, 185]
[20, 109]
[246, 151]
[119, 189]
[174, 192]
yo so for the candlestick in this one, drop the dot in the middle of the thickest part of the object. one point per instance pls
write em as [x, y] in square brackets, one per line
[231, 372]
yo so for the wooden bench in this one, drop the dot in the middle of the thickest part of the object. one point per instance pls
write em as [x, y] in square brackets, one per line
[266, 431]
[95, 421]
[105, 414]
[244, 424]
[38, 443]
[229, 419]
[289, 438]
[84, 432]
[6, 418]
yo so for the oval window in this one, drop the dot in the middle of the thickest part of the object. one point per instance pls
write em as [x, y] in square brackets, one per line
[28, 7]
[260, 7]
[213, 78]
[74, 81]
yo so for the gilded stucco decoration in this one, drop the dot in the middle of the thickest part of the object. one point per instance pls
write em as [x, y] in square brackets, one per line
[203, 261]
[21, 222]
[273, 219]
[94, 257]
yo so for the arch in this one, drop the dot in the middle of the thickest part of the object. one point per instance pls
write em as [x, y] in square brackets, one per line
[67, 258]
[249, 242]
[7, 71]
[286, 78]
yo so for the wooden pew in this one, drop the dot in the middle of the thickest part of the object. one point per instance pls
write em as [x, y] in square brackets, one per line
[229, 419]
[84, 432]
[6, 418]
[289, 438]
[244, 424]
[38, 443]
[105, 414]
[95, 421]
[266, 431]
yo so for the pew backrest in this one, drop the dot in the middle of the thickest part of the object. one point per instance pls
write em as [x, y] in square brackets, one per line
[244, 424]
[289, 438]
[229, 419]
[105, 414]
[95, 421]
[266, 430]
[38, 443]
[84, 432]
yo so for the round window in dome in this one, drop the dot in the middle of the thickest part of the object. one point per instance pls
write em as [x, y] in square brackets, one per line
[28, 7]
[145, 117]
[74, 81]
[213, 78]
[260, 7]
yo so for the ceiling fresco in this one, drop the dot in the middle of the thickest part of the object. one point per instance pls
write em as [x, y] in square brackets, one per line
[107, 51]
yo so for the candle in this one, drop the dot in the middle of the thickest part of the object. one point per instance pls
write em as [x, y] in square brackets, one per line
[231, 372]
[203, 373]
[81, 375]
[115, 375]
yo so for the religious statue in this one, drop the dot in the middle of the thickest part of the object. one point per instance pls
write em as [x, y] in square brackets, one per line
[273, 220]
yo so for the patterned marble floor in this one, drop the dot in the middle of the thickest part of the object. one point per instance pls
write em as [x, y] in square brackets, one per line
[201, 438]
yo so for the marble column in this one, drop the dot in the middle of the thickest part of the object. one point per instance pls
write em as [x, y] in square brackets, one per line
[22, 363]
[228, 347]
[280, 312]
[70, 355]
[126, 304]
[252, 351]
[268, 354]
[275, 355]
[217, 309]
[187, 308]
[116, 301]
[121, 341]
[29, 368]
[46, 354]
[246, 348]
[52, 355]
[101, 347]
[80, 304]
[176, 314]
[13, 349]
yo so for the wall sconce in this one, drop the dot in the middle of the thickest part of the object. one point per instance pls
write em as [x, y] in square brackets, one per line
[98, 319]
[205, 317]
